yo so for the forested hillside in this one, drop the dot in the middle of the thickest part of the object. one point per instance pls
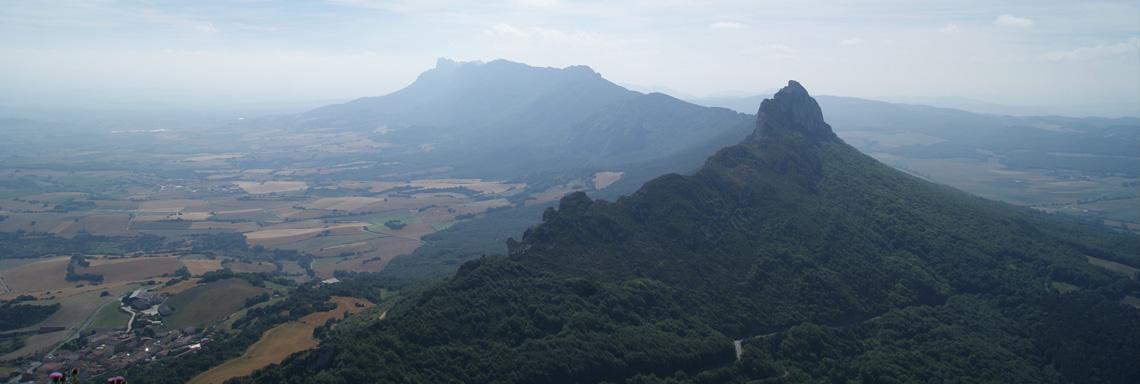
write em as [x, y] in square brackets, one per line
[790, 257]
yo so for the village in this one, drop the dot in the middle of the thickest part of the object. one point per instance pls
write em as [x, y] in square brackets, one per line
[141, 339]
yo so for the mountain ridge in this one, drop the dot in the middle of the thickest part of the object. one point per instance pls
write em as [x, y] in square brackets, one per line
[843, 265]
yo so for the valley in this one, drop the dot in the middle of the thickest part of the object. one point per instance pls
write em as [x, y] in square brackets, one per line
[228, 252]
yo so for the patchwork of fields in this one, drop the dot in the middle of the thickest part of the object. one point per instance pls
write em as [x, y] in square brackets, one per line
[328, 225]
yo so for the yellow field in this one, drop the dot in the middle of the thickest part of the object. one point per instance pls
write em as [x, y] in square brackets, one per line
[38, 276]
[385, 248]
[278, 343]
[132, 269]
[343, 305]
[273, 347]
[200, 266]
[343, 203]
[278, 236]
[178, 287]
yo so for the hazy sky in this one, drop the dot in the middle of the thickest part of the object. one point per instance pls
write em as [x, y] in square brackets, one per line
[207, 53]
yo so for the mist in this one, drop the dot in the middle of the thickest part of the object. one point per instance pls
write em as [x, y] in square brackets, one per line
[275, 56]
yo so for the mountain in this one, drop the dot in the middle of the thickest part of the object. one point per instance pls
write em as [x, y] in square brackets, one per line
[1103, 146]
[504, 119]
[789, 257]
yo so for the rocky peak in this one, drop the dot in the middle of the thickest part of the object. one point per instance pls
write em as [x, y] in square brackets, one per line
[791, 111]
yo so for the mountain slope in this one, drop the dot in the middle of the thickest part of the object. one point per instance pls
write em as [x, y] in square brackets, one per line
[472, 95]
[1090, 144]
[822, 264]
[501, 118]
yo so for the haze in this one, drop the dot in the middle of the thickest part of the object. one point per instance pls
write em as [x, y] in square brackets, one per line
[1065, 57]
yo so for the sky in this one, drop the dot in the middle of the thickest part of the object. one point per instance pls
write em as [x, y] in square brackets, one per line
[208, 54]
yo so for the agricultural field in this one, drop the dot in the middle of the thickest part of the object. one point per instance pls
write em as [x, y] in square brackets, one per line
[132, 269]
[197, 266]
[990, 179]
[317, 206]
[281, 341]
[78, 311]
[344, 305]
[273, 347]
[209, 303]
[110, 318]
[39, 275]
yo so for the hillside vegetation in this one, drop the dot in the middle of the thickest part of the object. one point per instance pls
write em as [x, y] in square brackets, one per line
[822, 264]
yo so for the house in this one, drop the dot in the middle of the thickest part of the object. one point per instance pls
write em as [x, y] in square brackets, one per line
[142, 299]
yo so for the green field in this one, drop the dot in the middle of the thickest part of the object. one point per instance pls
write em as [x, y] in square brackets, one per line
[110, 318]
[209, 303]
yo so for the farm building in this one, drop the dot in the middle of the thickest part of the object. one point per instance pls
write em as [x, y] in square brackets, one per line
[142, 299]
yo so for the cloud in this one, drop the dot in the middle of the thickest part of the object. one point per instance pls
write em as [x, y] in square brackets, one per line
[1127, 47]
[1013, 21]
[950, 28]
[727, 25]
[852, 41]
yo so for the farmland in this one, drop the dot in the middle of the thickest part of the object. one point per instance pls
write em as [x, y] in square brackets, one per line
[307, 206]
[273, 347]
[278, 343]
[208, 303]
[344, 306]
[331, 206]
[132, 269]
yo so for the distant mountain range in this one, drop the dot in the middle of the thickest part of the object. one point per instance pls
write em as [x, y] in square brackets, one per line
[502, 118]
[1097, 145]
[789, 257]
[547, 126]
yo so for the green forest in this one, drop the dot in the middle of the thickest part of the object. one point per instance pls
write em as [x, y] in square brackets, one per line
[826, 265]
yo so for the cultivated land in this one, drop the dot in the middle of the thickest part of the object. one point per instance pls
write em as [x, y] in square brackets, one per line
[281, 341]
[209, 303]
[273, 347]
[132, 269]
[36, 276]
[315, 210]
